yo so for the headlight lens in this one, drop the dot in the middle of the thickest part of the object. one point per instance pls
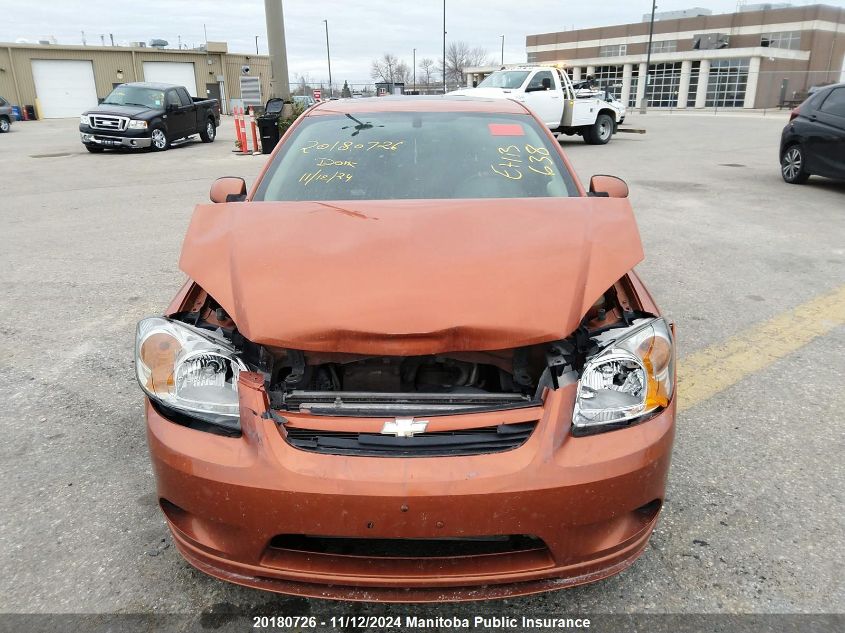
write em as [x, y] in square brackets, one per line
[188, 369]
[631, 377]
[137, 125]
[83, 119]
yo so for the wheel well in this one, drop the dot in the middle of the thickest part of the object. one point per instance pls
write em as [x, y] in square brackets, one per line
[5, 116]
[608, 112]
[788, 147]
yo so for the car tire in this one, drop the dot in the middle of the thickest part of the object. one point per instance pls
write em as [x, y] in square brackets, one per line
[599, 133]
[792, 166]
[158, 140]
[5, 124]
[94, 149]
[209, 133]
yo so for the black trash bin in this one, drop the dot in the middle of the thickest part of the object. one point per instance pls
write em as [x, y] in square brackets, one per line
[268, 124]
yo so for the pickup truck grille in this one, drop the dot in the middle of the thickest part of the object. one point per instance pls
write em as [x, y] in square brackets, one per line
[109, 122]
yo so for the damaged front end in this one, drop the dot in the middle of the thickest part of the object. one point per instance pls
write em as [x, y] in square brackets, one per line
[621, 357]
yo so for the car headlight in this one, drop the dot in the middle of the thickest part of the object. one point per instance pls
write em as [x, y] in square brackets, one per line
[137, 125]
[188, 369]
[631, 377]
[83, 119]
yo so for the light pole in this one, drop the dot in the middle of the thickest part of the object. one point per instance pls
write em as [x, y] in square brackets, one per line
[444, 47]
[329, 57]
[414, 61]
[503, 50]
[644, 102]
[273, 14]
[256, 45]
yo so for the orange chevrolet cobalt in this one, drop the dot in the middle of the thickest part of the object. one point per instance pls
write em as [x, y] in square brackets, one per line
[413, 363]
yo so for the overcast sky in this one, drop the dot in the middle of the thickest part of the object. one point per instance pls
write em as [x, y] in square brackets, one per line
[359, 30]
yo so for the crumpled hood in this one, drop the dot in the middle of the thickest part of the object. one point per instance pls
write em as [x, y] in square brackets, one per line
[410, 277]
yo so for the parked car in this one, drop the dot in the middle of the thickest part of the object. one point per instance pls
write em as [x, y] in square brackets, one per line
[813, 142]
[148, 115]
[413, 363]
[564, 107]
[6, 117]
[306, 101]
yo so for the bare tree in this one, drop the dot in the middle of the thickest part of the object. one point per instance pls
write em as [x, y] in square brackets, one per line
[403, 73]
[384, 68]
[459, 57]
[427, 70]
[303, 84]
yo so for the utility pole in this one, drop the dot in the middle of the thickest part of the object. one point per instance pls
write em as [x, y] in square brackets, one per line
[329, 57]
[279, 85]
[644, 102]
[415, 71]
[503, 51]
[256, 45]
[444, 47]
[111, 37]
[83, 38]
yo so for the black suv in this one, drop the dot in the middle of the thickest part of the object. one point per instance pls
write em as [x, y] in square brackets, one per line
[813, 142]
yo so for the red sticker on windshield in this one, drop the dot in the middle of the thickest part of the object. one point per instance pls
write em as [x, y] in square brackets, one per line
[506, 129]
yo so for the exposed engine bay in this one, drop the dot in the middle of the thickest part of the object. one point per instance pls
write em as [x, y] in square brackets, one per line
[340, 383]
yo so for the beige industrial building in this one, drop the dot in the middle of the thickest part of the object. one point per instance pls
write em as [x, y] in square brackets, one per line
[759, 57]
[62, 81]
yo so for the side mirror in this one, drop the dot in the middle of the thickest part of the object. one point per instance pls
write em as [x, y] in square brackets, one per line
[170, 107]
[228, 189]
[547, 84]
[608, 186]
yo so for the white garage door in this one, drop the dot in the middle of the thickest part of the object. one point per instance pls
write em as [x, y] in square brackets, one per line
[64, 87]
[179, 73]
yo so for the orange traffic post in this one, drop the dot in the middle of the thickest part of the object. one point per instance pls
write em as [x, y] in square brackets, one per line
[255, 148]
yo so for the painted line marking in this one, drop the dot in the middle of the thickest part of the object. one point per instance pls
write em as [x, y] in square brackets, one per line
[703, 374]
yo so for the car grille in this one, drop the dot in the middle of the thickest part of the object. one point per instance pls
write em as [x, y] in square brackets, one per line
[407, 547]
[477, 441]
[109, 122]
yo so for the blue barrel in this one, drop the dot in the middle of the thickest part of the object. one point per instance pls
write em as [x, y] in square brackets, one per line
[16, 112]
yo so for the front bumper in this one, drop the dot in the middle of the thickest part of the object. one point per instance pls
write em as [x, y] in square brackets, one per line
[592, 503]
[99, 139]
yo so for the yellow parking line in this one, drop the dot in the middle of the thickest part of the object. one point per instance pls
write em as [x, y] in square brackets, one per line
[703, 374]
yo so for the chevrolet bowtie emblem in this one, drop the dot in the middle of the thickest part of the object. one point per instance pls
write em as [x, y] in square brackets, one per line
[404, 427]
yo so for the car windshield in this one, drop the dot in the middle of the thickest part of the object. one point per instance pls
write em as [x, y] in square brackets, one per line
[416, 155]
[504, 79]
[135, 95]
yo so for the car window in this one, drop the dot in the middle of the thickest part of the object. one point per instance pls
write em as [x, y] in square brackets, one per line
[135, 95]
[173, 98]
[537, 80]
[414, 155]
[835, 102]
[511, 79]
[184, 96]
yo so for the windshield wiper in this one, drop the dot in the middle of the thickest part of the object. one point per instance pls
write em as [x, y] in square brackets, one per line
[359, 125]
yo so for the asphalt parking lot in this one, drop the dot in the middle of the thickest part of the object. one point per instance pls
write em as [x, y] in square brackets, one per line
[753, 521]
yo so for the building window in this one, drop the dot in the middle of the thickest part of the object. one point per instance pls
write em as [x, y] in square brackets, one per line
[786, 39]
[609, 78]
[727, 84]
[614, 50]
[664, 46]
[532, 58]
[665, 83]
[632, 96]
[695, 71]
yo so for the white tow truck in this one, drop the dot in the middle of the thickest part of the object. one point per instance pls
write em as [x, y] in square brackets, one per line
[550, 93]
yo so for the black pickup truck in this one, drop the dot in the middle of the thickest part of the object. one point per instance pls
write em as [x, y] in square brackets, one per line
[141, 115]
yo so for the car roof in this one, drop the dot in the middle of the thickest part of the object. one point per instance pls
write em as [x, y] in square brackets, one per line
[430, 103]
[153, 85]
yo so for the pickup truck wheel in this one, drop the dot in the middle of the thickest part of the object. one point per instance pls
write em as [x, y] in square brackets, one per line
[94, 149]
[207, 135]
[159, 140]
[4, 124]
[600, 132]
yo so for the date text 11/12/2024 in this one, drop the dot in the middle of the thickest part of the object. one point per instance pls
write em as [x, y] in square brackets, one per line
[417, 622]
